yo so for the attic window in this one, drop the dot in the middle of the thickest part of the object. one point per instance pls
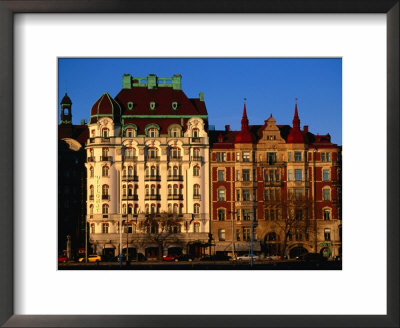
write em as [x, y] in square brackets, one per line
[130, 105]
[152, 105]
[174, 105]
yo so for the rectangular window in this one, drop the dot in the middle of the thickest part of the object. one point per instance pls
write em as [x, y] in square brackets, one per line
[326, 194]
[327, 215]
[238, 234]
[323, 157]
[246, 234]
[306, 175]
[246, 156]
[237, 157]
[246, 175]
[327, 234]
[272, 194]
[290, 175]
[238, 215]
[221, 195]
[254, 195]
[328, 157]
[237, 194]
[266, 194]
[272, 214]
[246, 194]
[221, 175]
[218, 157]
[221, 214]
[221, 234]
[254, 175]
[246, 215]
[297, 156]
[271, 158]
[289, 156]
[298, 194]
[299, 214]
[298, 175]
[325, 175]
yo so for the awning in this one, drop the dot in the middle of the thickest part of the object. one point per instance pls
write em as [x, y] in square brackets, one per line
[109, 246]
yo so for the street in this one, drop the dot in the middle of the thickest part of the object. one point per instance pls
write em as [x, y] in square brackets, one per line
[204, 265]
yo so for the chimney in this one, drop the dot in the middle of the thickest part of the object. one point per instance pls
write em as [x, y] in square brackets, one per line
[227, 128]
[305, 128]
[83, 122]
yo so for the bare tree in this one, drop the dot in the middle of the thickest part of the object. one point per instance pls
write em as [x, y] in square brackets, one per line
[161, 229]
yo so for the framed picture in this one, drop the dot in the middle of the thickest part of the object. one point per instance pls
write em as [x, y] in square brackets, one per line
[21, 268]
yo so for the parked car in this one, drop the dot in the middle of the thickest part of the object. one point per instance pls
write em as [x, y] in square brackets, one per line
[91, 258]
[62, 258]
[312, 257]
[184, 257]
[170, 258]
[216, 257]
[247, 257]
[273, 257]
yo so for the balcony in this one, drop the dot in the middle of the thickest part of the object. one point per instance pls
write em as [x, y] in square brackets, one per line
[198, 197]
[197, 158]
[127, 177]
[130, 197]
[196, 139]
[175, 178]
[92, 140]
[105, 197]
[175, 158]
[152, 178]
[153, 158]
[130, 158]
[175, 197]
[105, 158]
[91, 159]
[152, 197]
[273, 183]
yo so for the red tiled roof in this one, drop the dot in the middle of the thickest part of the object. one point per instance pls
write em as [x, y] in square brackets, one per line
[163, 98]
[77, 132]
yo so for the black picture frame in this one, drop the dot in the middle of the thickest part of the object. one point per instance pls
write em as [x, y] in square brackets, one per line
[10, 7]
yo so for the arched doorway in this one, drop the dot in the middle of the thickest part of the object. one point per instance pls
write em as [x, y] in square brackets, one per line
[297, 252]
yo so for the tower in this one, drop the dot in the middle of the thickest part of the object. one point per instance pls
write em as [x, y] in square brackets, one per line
[66, 114]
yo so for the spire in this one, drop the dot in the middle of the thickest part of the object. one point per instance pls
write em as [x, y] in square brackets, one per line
[245, 121]
[296, 119]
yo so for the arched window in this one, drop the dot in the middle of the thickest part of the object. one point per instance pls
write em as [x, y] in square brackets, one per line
[271, 236]
[105, 189]
[147, 209]
[153, 190]
[196, 227]
[175, 189]
[175, 171]
[130, 209]
[221, 195]
[169, 190]
[221, 214]
[130, 133]
[147, 190]
[196, 190]
[326, 194]
[130, 171]
[153, 171]
[196, 209]
[91, 171]
[130, 190]
[195, 133]
[91, 190]
[326, 214]
[130, 153]
[124, 209]
[105, 133]
[175, 208]
[180, 209]
[105, 171]
[91, 209]
[153, 208]
[152, 153]
[169, 208]
[136, 209]
[92, 228]
[124, 190]
[105, 209]
[175, 132]
[175, 153]
[196, 153]
[152, 133]
[196, 171]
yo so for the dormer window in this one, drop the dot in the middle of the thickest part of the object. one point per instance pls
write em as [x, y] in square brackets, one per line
[129, 133]
[175, 132]
[105, 133]
[174, 105]
[152, 105]
[130, 105]
[196, 133]
[152, 133]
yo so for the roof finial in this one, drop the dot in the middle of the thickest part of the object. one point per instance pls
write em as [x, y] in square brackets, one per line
[296, 99]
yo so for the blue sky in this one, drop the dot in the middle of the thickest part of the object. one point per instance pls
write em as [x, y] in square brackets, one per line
[270, 86]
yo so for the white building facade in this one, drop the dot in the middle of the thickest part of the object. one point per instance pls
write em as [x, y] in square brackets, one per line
[148, 156]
